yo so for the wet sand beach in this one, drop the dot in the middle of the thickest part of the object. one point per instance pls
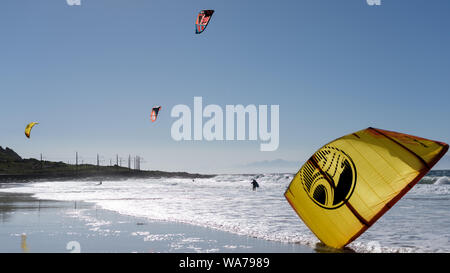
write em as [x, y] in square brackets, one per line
[31, 225]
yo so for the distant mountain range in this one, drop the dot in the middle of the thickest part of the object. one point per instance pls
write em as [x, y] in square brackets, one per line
[286, 166]
[270, 166]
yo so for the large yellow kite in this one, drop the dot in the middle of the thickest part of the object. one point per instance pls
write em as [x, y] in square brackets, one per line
[349, 183]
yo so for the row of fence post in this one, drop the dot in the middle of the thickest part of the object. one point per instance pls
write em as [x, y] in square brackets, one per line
[135, 161]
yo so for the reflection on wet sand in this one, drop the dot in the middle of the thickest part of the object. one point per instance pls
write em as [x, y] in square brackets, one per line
[10, 202]
[23, 243]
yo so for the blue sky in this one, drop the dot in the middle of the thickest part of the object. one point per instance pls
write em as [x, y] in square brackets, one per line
[90, 75]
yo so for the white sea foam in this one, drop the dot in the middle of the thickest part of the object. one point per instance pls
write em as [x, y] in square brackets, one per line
[228, 203]
[444, 180]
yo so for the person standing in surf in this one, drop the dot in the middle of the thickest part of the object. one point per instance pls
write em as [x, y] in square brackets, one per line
[255, 184]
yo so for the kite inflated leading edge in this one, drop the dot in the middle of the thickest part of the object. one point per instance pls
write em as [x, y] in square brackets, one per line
[352, 181]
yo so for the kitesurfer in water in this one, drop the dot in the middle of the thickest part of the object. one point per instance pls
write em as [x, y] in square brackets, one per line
[255, 184]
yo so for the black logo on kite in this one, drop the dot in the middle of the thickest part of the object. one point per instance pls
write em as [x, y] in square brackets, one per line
[329, 177]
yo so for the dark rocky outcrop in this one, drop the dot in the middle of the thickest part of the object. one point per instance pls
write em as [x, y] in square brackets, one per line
[8, 155]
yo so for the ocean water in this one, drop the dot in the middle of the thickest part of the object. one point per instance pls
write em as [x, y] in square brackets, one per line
[419, 222]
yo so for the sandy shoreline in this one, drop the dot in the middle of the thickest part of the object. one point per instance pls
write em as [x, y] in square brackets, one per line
[31, 225]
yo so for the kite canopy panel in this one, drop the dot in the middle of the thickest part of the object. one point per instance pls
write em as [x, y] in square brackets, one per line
[155, 112]
[352, 181]
[202, 21]
[28, 128]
